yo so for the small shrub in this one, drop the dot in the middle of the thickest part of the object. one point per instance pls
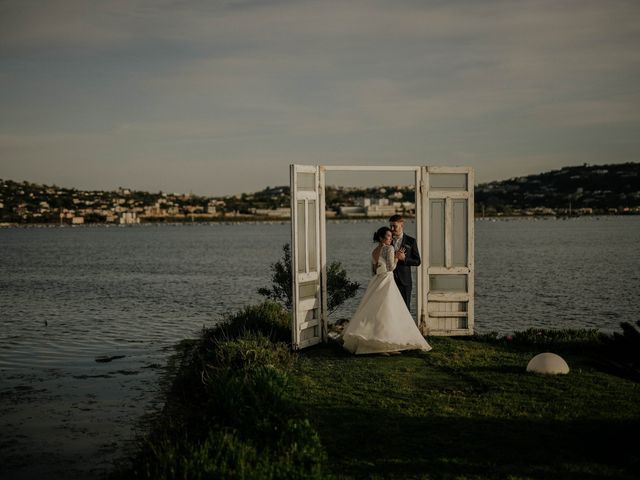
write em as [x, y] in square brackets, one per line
[268, 319]
[225, 454]
[565, 339]
[566, 336]
[231, 412]
[256, 404]
[249, 352]
[300, 453]
[280, 290]
[339, 287]
[624, 348]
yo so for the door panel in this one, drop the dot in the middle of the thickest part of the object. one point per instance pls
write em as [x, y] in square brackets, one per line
[448, 286]
[306, 327]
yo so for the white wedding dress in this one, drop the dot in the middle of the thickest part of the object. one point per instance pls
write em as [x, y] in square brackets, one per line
[382, 322]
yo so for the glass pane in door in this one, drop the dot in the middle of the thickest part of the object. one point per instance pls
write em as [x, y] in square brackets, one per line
[312, 237]
[300, 227]
[459, 240]
[306, 181]
[448, 283]
[436, 233]
[448, 181]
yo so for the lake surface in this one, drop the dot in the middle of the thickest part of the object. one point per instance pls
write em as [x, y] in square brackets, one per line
[69, 295]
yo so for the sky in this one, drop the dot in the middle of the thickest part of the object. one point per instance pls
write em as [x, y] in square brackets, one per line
[220, 97]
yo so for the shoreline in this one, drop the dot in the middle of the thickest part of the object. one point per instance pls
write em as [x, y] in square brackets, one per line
[267, 221]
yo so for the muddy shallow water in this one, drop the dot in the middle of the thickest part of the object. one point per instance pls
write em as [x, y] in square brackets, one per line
[57, 426]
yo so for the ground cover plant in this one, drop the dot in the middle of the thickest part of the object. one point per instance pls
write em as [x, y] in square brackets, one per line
[624, 349]
[242, 405]
[468, 409]
[230, 410]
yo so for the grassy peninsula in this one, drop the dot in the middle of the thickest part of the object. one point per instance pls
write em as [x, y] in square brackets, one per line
[242, 405]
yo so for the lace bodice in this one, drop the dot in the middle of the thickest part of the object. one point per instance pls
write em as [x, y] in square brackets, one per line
[386, 261]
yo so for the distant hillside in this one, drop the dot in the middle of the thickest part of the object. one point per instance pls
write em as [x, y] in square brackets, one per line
[596, 187]
[586, 189]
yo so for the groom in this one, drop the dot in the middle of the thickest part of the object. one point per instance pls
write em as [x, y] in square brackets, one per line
[407, 255]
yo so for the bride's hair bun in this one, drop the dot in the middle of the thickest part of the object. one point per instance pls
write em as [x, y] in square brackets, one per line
[380, 233]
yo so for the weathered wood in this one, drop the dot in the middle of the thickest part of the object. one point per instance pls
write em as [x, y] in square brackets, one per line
[448, 297]
[300, 244]
[441, 316]
[444, 194]
[449, 271]
[307, 343]
[309, 324]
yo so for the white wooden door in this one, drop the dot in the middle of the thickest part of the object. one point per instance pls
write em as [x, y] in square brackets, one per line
[448, 237]
[307, 310]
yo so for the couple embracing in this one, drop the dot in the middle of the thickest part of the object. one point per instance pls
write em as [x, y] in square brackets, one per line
[382, 323]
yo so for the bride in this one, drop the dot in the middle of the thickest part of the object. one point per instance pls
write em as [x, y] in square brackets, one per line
[382, 323]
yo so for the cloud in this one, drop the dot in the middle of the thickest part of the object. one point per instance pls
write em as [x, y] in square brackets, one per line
[60, 23]
[317, 81]
[589, 113]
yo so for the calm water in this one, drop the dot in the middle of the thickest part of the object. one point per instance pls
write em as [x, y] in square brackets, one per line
[69, 295]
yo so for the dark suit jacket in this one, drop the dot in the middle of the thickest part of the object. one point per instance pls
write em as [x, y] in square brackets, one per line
[402, 273]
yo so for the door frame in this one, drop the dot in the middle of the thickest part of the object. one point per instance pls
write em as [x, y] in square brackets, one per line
[422, 194]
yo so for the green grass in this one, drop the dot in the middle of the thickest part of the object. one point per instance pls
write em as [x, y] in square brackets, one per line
[468, 409]
[240, 405]
[230, 410]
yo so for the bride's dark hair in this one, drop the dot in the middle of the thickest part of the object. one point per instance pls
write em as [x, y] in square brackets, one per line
[380, 233]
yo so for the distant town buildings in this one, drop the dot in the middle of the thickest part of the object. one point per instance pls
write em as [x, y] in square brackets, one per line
[583, 190]
[32, 203]
[128, 218]
[272, 213]
[376, 207]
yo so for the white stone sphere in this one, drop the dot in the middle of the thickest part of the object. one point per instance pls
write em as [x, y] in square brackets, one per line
[548, 363]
